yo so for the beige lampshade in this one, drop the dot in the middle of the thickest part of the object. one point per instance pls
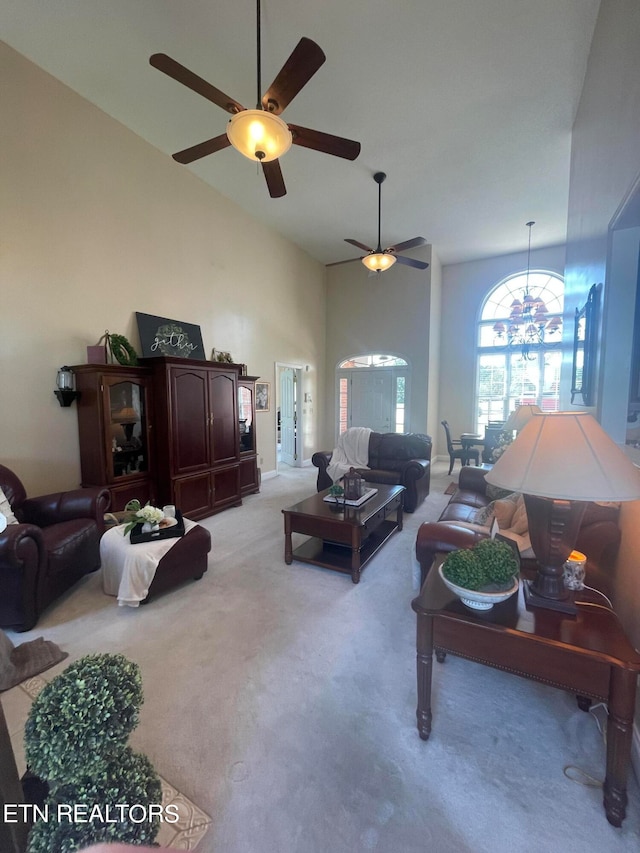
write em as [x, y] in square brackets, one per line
[566, 455]
[127, 415]
[520, 416]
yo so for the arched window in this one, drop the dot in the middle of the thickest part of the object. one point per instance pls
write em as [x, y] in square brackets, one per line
[523, 367]
[373, 391]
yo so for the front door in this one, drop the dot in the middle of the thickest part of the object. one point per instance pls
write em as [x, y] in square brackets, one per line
[371, 399]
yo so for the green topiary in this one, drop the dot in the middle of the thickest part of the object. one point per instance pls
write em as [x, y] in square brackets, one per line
[462, 568]
[128, 779]
[81, 715]
[497, 559]
[488, 563]
[75, 739]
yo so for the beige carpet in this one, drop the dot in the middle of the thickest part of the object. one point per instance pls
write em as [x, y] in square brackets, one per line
[280, 705]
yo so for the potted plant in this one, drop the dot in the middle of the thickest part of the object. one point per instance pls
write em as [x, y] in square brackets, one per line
[336, 491]
[76, 740]
[483, 575]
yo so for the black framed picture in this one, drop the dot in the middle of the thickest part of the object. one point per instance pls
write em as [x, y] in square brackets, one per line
[585, 349]
[161, 336]
[263, 396]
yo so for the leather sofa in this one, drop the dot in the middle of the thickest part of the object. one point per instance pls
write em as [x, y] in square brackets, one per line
[457, 527]
[402, 459]
[54, 544]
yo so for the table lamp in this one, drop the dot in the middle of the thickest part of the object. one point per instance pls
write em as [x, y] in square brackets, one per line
[520, 416]
[561, 461]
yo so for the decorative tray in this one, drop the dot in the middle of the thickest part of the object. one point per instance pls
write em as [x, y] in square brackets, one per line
[173, 531]
[330, 499]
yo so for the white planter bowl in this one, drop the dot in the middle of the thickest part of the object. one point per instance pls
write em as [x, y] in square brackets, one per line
[475, 599]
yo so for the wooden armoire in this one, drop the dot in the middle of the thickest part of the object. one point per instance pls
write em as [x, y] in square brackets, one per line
[187, 443]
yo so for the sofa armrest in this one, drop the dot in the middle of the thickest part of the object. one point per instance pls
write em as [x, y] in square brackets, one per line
[21, 546]
[441, 537]
[472, 479]
[321, 459]
[65, 506]
[413, 469]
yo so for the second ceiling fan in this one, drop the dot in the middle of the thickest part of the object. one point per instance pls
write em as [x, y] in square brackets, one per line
[260, 134]
[379, 259]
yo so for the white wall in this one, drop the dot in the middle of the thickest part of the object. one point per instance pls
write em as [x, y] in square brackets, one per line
[97, 224]
[390, 313]
[605, 164]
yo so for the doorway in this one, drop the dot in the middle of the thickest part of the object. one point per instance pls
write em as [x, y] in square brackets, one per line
[372, 391]
[288, 415]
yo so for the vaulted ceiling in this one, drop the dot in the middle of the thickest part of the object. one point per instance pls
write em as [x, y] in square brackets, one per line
[467, 105]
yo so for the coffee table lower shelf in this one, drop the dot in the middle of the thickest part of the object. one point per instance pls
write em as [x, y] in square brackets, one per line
[341, 558]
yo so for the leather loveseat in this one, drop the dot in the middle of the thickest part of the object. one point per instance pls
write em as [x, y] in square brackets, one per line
[55, 542]
[458, 527]
[402, 459]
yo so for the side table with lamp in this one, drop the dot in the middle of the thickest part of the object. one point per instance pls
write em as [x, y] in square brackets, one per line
[560, 462]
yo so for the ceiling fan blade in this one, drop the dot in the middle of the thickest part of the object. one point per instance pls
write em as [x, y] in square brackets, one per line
[273, 176]
[339, 263]
[325, 142]
[303, 63]
[358, 245]
[202, 149]
[408, 244]
[178, 72]
[411, 262]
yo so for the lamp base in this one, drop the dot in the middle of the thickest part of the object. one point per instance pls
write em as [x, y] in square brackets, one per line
[66, 396]
[561, 605]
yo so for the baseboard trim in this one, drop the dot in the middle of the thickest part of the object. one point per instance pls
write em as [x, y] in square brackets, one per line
[268, 475]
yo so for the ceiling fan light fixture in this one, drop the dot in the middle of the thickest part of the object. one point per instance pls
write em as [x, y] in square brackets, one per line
[379, 261]
[259, 135]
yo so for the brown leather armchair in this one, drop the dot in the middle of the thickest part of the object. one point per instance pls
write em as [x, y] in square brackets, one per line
[56, 542]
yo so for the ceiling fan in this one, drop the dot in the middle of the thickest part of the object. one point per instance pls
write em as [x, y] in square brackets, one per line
[379, 259]
[260, 134]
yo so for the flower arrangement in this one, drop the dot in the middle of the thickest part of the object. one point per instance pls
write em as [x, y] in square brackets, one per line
[149, 514]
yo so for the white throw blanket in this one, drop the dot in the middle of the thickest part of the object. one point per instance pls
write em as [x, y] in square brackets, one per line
[128, 570]
[352, 452]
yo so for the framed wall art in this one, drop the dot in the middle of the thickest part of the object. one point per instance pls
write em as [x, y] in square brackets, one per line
[263, 396]
[161, 336]
[585, 350]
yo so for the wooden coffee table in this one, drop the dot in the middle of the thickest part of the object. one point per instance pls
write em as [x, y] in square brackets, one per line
[343, 539]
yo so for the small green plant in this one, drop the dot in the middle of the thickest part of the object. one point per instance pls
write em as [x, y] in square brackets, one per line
[336, 491]
[76, 741]
[488, 563]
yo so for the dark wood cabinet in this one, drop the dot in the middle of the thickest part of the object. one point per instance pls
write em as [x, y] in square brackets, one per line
[168, 431]
[249, 479]
[197, 434]
[115, 421]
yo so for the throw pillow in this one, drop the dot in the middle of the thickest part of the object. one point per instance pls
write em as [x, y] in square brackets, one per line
[5, 508]
[485, 515]
[495, 492]
[504, 510]
[520, 522]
